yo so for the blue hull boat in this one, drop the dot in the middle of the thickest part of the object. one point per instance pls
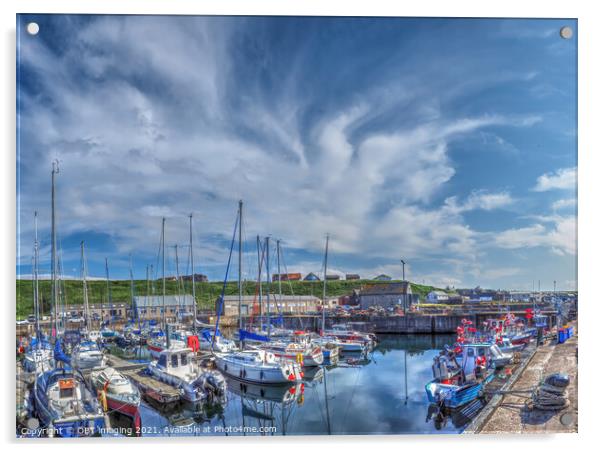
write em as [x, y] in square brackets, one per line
[455, 396]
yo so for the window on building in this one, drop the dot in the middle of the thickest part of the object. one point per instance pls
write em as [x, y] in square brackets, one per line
[174, 360]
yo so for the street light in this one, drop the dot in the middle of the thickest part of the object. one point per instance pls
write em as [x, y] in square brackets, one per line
[403, 269]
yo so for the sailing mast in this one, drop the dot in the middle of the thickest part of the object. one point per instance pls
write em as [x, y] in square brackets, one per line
[259, 268]
[267, 268]
[279, 274]
[108, 290]
[132, 302]
[239, 265]
[85, 285]
[179, 293]
[193, 278]
[54, 269]
[324, 287]
[36, 288]
[164, 325]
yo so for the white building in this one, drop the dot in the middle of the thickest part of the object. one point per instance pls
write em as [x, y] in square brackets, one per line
[437, 296]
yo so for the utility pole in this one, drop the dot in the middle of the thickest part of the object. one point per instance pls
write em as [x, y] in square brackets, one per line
[403, 270]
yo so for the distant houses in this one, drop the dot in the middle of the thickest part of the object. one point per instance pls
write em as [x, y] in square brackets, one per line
[311, 277]
[198, 277]
[351, 276]
[286, 277]
[383, 277]
[332, 277]
[437, 296]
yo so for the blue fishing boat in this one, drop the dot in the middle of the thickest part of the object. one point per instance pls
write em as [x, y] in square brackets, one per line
[65, 406]
[456, 384]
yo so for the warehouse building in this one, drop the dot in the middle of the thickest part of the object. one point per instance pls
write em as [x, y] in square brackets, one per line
[287, 304]
[387, 295]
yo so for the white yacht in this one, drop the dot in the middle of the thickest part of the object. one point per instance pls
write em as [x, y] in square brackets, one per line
[258, 366]
[87, 355]
[176, 367]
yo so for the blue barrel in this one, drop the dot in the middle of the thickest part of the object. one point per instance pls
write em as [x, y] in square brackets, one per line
[561, 336]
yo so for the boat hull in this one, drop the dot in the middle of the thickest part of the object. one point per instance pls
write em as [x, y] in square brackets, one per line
[258, 374]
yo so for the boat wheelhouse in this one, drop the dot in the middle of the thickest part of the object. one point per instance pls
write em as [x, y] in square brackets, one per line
[87, 355]
[176, 367]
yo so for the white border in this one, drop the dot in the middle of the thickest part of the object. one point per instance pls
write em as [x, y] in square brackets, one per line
[590, 78]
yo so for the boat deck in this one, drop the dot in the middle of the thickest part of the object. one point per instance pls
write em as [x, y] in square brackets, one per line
[152, 388]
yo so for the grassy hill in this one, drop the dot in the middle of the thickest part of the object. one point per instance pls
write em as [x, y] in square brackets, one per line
[206, 292]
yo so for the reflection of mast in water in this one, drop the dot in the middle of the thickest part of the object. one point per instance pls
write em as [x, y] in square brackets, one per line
[260, 402]
[326, 401]
[405, 371]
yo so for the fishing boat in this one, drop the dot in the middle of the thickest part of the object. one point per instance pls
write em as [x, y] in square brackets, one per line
[157, 345]
[342, 332]
[117, 393]
[87, 355]
[176, 367]
[258, 366]
[456, 384]
[64, 405]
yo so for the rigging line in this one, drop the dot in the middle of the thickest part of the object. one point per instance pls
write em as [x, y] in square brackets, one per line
[221, 297]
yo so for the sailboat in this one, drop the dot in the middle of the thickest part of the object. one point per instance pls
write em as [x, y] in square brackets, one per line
[38, 356]
[254, 365]
[159, 341]
[298, 346]
[87, 354]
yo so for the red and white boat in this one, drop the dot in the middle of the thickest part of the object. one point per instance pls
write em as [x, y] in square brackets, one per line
[117, 393]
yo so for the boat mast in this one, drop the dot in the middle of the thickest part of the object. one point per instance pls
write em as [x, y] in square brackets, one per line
[54, 270]
[193, 278]
[163, 269]
[132, 302]
[179, 293]
[267, 268]
[85, 285]
[259, 268]
[239, 265]
[108, 290]
[324, 287]
[279, 274]
[36, 288]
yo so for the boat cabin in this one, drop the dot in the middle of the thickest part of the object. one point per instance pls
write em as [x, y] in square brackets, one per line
[176, 361]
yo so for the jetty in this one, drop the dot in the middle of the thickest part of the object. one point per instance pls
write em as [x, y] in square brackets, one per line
[511, 411]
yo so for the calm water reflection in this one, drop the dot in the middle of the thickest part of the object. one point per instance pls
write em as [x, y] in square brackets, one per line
[382, 393]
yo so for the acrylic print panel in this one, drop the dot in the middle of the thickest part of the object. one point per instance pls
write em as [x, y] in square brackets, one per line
[295, 225]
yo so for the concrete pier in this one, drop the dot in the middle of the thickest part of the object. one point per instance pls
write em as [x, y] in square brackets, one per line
[511, 412]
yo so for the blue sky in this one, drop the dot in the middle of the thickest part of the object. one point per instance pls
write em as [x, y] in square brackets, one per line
[448, 143]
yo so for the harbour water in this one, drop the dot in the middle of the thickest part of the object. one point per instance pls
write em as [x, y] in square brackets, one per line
[381, 393]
